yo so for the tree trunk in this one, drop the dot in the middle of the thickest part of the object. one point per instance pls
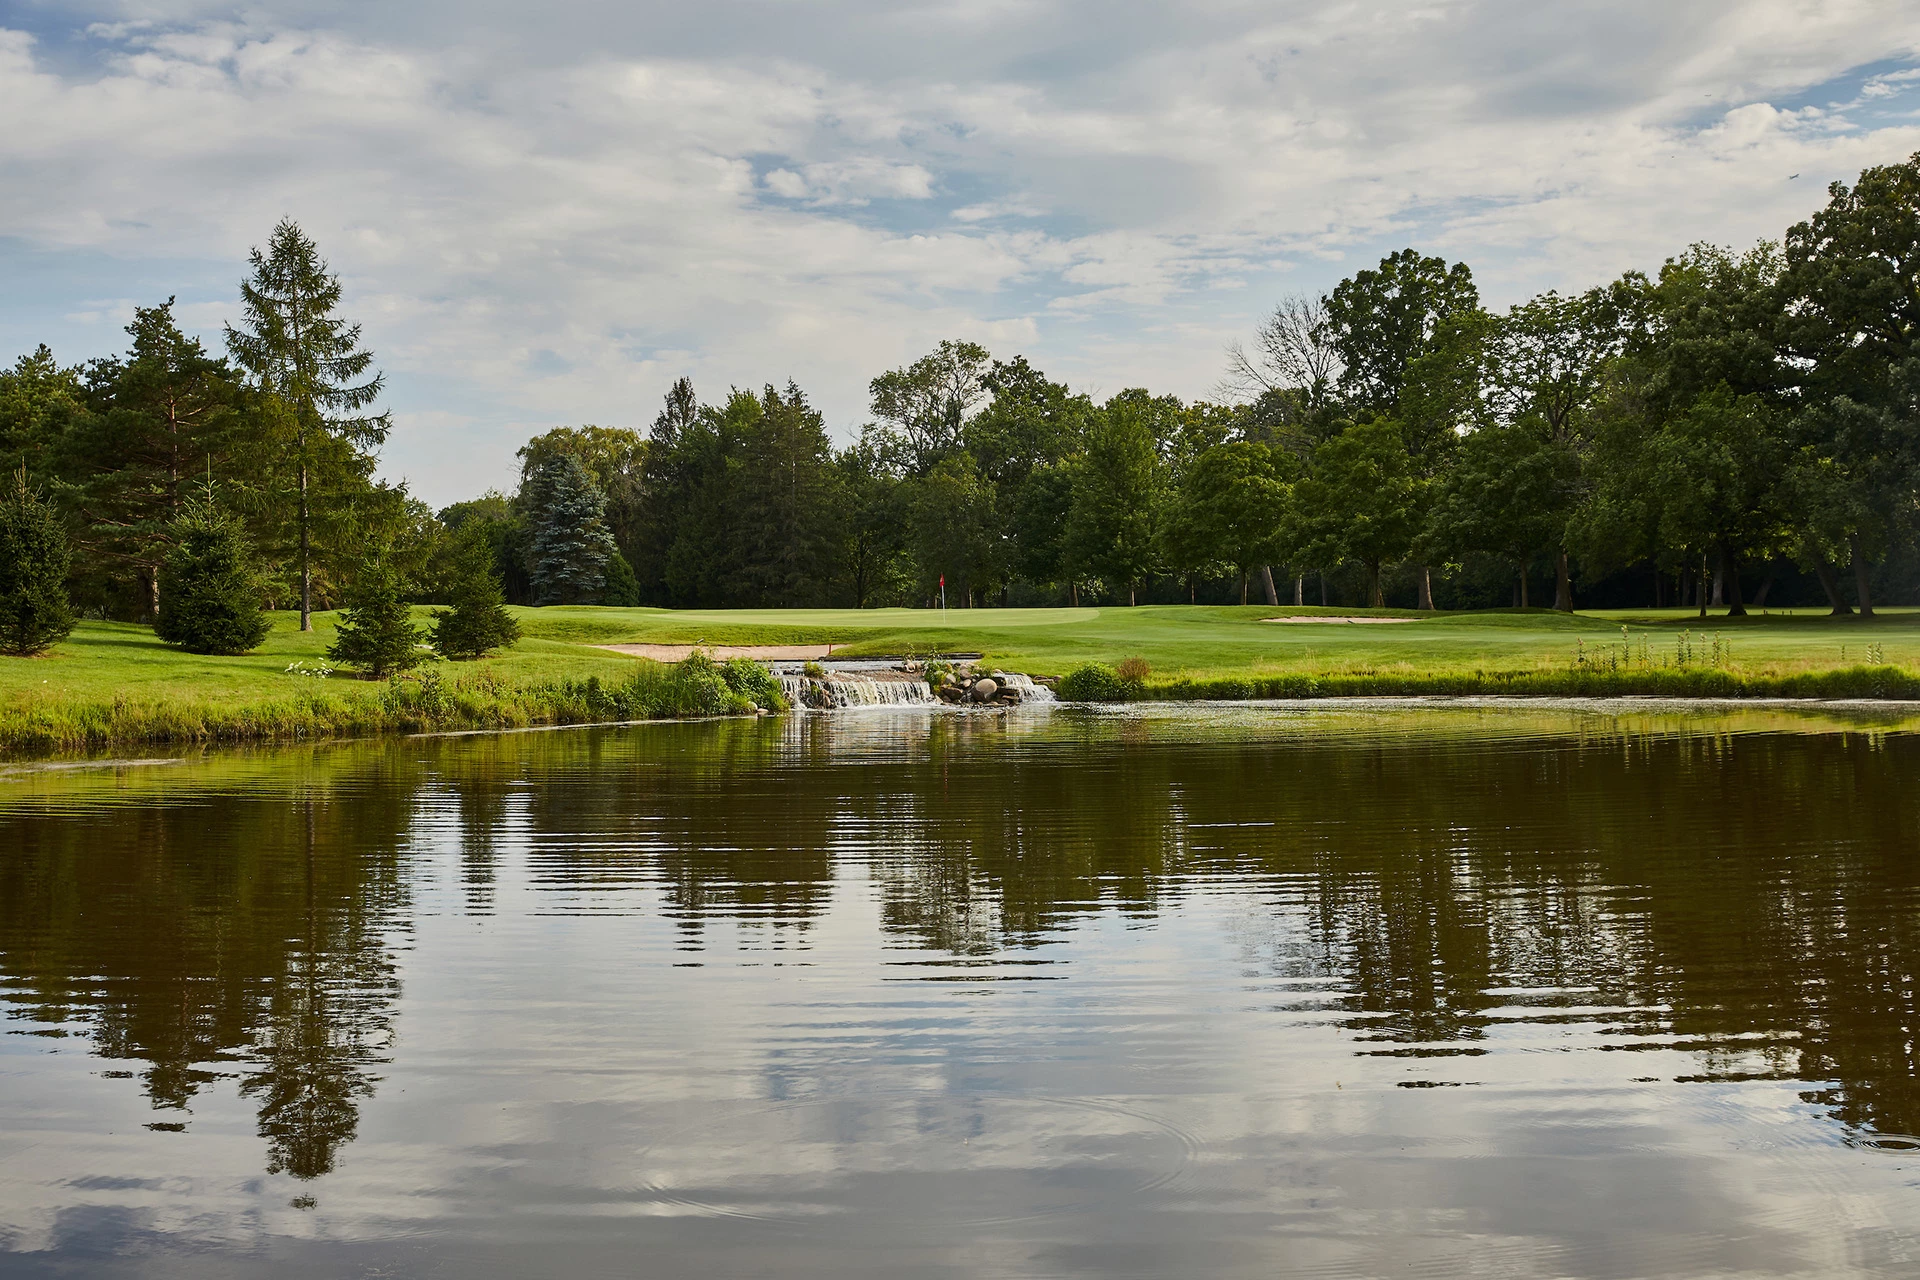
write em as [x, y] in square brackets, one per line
[153, 592]
[1701, 586]
[1323, 588]
[1719, 581]
[1131, 600]
[1300, 590]
[1562, 583]
[1766, 585]
[1425, 578]
[1659, 589]
[1861, 581]
[1730, 574]
[1523, 586]
[1245, 578]
[306, 571]
[1376, 598]
[1266, 585]
[1073, 593]
[1828, 583]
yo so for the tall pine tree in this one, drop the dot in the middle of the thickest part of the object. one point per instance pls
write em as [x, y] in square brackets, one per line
[309, 360]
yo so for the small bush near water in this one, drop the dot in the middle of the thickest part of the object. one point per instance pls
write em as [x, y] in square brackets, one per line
[748, 678]
[1098, 682]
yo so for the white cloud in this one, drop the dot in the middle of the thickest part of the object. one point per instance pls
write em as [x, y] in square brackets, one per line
[672, 190]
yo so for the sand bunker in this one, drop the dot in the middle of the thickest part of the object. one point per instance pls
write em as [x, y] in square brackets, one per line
[721, 652]
[1324, 618]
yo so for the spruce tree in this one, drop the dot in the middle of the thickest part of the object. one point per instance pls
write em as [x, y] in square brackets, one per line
[571, 544]
[209, 591]
[308, 360]
[376, 633]
[478, 622]
[34, 612]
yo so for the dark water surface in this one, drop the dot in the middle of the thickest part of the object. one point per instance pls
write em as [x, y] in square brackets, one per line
[1253, 992]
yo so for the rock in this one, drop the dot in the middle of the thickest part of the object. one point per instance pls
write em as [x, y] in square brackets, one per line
[984, 690]
[1010, 694]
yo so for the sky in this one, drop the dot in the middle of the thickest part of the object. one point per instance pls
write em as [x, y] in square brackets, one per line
[544, 214]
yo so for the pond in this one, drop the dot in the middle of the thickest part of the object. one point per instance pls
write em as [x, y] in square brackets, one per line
[1376, 989]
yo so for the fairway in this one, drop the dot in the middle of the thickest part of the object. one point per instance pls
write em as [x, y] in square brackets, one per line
[1181, 640]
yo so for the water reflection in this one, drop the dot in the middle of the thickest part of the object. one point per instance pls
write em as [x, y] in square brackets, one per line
[1232, 917]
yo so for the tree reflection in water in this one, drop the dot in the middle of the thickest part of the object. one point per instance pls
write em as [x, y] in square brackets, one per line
[1750, 897]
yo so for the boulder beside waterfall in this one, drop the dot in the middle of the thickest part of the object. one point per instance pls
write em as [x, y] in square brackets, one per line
[911, 684]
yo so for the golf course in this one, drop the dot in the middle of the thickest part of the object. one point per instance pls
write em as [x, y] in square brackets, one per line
[114, 685]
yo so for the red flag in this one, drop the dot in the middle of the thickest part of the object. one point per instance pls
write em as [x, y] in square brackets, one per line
[943, 581]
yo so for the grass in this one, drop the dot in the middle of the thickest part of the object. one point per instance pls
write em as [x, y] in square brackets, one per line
[113, 684]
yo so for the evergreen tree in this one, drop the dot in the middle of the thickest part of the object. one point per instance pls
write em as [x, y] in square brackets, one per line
[162, 413]
[376, 633]
[209, 591]
[39, 403]
[782, 518]
[34, 612]
[620, 588]
[568, 555]
[478, 622]
[308, 359]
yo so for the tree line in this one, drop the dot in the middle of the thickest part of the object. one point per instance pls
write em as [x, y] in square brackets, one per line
[1733, 427]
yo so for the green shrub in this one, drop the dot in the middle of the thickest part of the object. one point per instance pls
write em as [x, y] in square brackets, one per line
[34, 612]
[209, 592]
[376, 633]
[1096, 682]
[755, 683]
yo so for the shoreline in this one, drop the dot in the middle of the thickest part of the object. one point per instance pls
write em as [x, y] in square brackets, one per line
[35, 735]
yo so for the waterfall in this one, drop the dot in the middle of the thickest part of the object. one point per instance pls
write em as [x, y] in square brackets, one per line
[1029, 691]
[840, 690]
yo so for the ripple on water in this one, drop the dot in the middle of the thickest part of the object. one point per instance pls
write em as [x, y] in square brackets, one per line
[954, 1159]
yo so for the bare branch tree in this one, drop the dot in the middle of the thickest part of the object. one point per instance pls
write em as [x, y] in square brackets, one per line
[1292, 351]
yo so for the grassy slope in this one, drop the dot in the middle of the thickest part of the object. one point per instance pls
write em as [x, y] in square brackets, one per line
[114, 683]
